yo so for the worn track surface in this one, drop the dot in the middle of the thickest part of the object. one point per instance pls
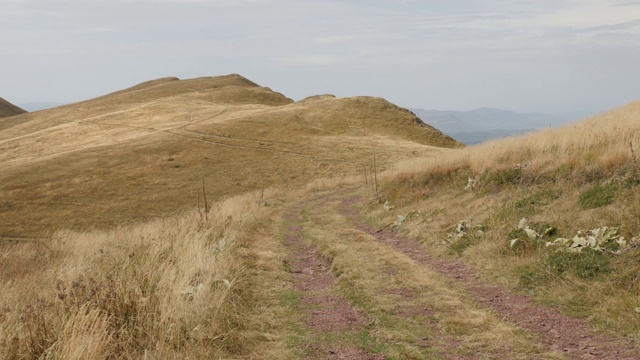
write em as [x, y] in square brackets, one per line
[364, 294]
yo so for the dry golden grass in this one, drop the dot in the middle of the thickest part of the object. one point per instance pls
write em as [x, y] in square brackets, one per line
[177, 287]
[542, 176]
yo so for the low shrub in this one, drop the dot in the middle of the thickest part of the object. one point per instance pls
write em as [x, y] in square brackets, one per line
[526, 240]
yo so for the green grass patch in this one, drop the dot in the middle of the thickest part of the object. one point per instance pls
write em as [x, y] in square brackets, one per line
[532, 277]
[529, 204]
[505, 177]
[290, 298]
[586, 264]
[598, 196]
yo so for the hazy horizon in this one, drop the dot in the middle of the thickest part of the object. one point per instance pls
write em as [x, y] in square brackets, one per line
[547, 56]
[562, 116]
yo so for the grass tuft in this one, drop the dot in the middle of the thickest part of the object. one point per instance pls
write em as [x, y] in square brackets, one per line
[587, 264]
[598, 196]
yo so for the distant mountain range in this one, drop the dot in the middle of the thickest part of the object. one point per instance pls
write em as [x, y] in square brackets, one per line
[479, 125]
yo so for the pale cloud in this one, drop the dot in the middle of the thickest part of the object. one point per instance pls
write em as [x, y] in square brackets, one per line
[100, 30]
[583, 14]
[314, 60]
[337, 39]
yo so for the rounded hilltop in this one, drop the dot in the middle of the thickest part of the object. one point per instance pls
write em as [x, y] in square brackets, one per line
[368, 115]
[226, 89]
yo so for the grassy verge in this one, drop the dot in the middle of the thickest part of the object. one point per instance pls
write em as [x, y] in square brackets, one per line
[178, 287]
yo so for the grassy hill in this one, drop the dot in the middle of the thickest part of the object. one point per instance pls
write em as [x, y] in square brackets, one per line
[143, 152]
[8, 109]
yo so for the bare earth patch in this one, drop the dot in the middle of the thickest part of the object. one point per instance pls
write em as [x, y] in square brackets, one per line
[331, 313]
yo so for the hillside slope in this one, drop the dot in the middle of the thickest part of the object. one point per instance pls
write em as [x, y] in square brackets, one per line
[8, 109]
[144, 151]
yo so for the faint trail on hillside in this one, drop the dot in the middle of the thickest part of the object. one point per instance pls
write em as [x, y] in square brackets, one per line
[569, 336]
[31, 134]
[226, 108]
[238, 138]
[175, 133]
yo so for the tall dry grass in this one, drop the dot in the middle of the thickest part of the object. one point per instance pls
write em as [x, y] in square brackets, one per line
[602, 143]
[172, 288]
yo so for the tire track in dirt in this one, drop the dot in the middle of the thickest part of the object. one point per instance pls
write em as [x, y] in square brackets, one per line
[324, 311]
[569, 336]
[313, 276]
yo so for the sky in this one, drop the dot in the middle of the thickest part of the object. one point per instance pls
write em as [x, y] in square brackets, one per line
[554, 56]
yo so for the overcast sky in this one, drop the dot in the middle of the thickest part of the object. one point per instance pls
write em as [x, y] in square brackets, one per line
[522, 55]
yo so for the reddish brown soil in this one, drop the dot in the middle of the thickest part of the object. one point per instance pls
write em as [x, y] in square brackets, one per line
[331, 313]
[555, 331]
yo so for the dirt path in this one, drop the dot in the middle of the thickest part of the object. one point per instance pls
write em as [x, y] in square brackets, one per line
[561, 334]
[358, 298]
[324, 310]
